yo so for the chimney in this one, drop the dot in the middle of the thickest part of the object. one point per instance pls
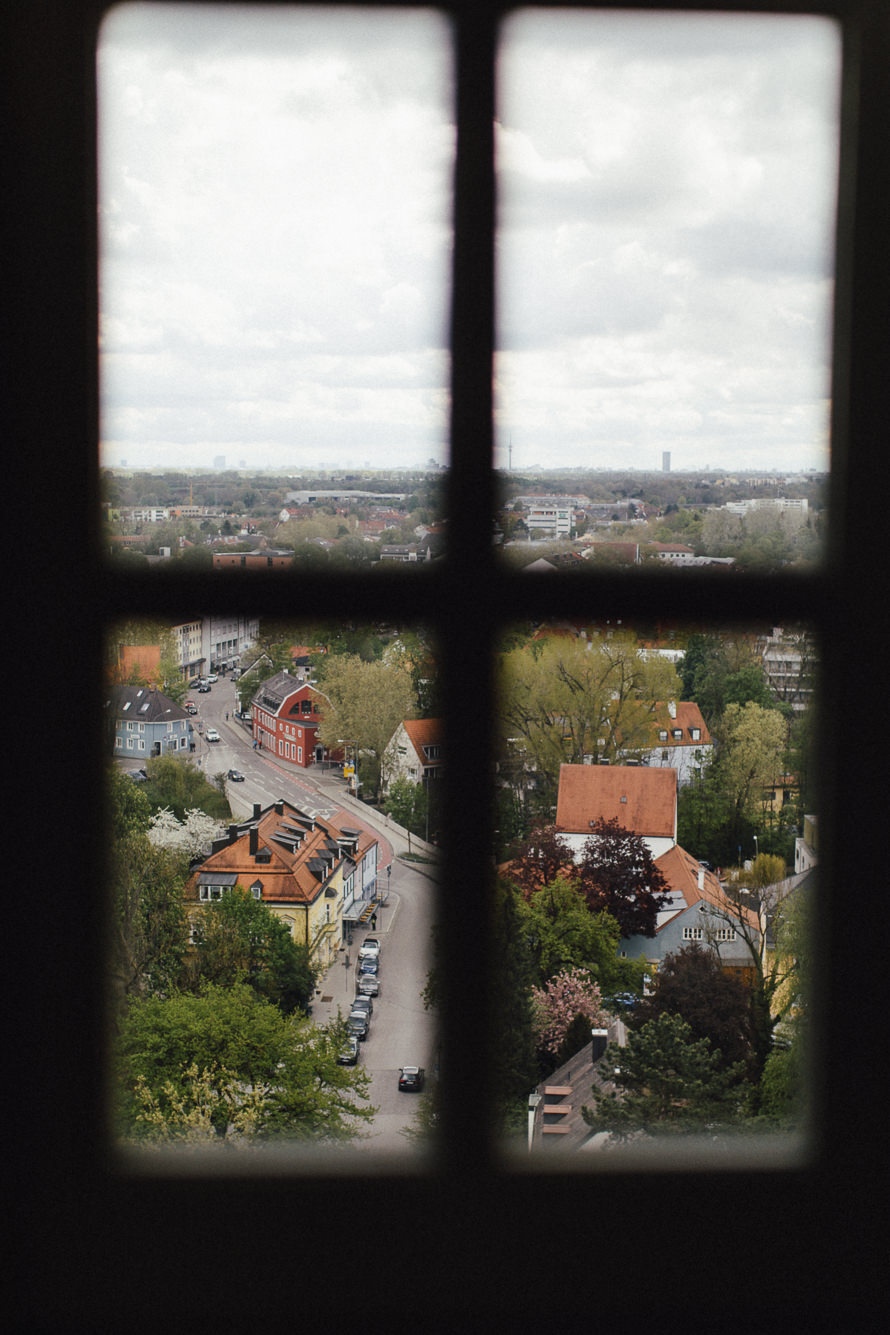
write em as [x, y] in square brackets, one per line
[672, 708]
[701, 878]
[233, 833]
[254, 841]
[599, 1042]
[279, 806]
[257, 810]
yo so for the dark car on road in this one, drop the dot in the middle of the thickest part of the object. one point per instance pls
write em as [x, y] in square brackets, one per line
[363, 1003]
[235, 775]
[411, 1078]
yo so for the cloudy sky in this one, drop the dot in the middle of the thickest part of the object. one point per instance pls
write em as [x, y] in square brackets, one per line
[274, 223]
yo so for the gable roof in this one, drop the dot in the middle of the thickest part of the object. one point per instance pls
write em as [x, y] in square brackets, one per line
[689, 884]
[145, 703]
[295, 855]
[423, 732]
[274, 692]
[642, 800]
[686, 716]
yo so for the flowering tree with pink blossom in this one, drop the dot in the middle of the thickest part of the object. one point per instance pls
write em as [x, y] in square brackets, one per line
[568, 997]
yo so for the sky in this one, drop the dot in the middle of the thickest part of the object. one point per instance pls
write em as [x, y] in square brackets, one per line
[274, 213]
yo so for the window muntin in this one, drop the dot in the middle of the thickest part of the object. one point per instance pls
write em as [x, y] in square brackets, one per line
[471, 471]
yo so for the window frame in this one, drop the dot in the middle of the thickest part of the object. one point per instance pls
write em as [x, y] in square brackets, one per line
[113, 1235]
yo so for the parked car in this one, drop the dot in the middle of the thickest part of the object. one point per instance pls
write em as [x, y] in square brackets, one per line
[368, 984]
[363, 1003]
[624, 1001]
[411, 1078]
[235, 775]
[358, 1025]
[349, 1055]
[212, 735]
[203, 690]
[212, 677]
[369, 965]
[370, 946]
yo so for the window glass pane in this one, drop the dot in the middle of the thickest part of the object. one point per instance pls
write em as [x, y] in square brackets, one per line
[272, 890]
[275, 238]
[657, 846]
[667, 200]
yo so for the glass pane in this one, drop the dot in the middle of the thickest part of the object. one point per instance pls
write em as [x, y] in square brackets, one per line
[667, 195]
[275, 238]
[657, 847]
[273, 798]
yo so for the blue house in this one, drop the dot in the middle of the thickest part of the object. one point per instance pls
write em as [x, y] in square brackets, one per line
[146, 723]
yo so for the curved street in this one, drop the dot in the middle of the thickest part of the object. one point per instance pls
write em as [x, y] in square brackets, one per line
[402, 1031]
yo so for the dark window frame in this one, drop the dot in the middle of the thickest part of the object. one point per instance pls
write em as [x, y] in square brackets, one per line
[800, 1243]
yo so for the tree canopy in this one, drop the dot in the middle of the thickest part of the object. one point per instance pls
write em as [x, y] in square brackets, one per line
[237, 1063]
[238, 939]
[564, 699]
[693, 985]
[666, 1081]
[368, 701]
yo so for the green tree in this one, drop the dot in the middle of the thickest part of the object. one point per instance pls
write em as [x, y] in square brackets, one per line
[179, 785]
[752, 742]
[564, 933]
[238, 939]
[368, 701]
[148, 928]
[224, 1049]
[563, 700]
[408, 804]
[693, 985]
[666, 1081]
[513, 1062]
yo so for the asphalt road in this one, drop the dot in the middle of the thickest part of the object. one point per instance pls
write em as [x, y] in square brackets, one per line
[402, 1031]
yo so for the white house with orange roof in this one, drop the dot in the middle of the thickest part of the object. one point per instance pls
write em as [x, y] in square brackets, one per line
[644, 801]
[414, 752]
[679, 740]
[640, 799]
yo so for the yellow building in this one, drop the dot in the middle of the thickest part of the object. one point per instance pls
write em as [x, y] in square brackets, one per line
[316, 875]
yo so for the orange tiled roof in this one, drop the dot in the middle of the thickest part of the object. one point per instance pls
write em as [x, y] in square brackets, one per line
[287, 877]
[688, 716]
[423, 732]
[642, 800]
[681, 871]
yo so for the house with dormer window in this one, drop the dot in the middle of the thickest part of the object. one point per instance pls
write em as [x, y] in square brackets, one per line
[415, 752]
[286, 714]
[317, 873]
[678, 740]
[644, 801]
[144, 722]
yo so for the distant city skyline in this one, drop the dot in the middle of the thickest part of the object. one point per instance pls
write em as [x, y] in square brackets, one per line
[275, 196]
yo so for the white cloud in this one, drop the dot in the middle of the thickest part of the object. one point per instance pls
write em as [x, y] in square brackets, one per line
[275, 227]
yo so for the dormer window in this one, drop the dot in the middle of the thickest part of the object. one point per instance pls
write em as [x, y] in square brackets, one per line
[662, 734]
[257, 889]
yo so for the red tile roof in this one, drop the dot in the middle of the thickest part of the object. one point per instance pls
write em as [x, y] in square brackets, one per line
[423, 732]
[642, 800]
[287, 876]
[681, 871]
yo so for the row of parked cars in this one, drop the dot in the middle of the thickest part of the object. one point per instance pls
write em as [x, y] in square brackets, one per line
[367, 987]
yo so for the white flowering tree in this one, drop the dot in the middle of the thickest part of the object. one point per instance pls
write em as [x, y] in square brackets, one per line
[190, 836]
